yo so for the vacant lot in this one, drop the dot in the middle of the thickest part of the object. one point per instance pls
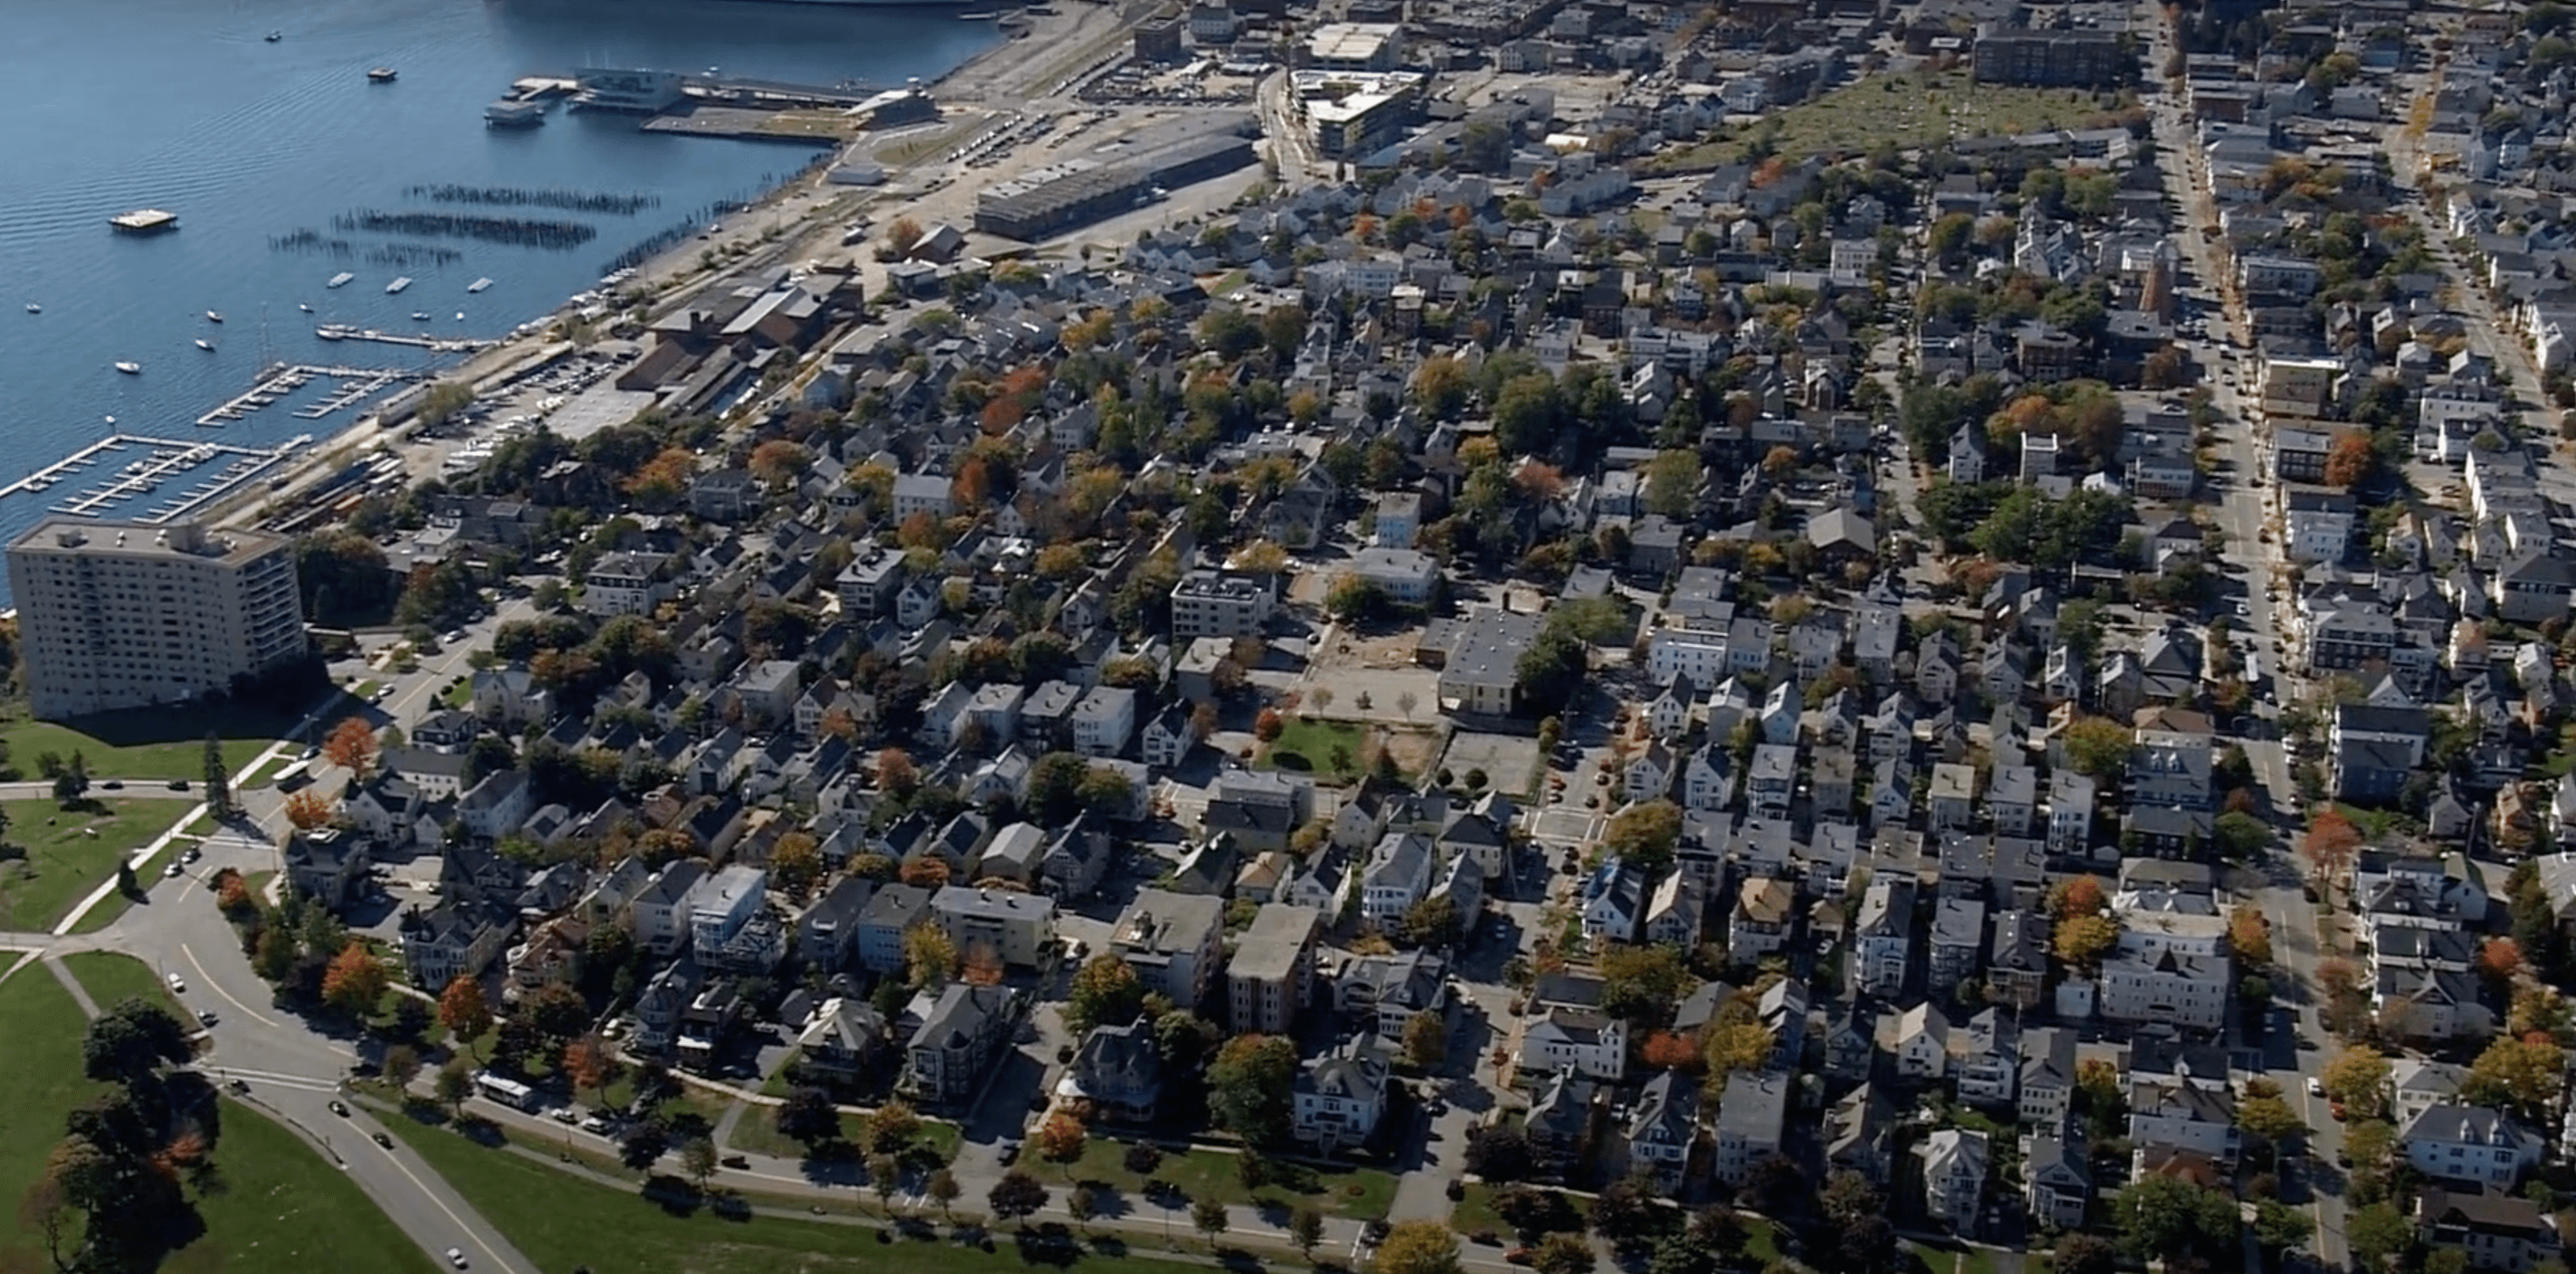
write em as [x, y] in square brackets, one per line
[57, 856]
[1911, 110]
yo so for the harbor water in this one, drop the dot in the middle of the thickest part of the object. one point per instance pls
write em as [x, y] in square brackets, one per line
[189, 106]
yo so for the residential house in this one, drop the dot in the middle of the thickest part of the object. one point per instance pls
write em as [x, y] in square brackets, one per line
[1119, 1069]
[1337, 1098]
[959, 1037]
[1271, 969]
[1752, 1116]
[1954, 1177]
[1589, 1042]
[1173, 941]
[2493, 1229]
[1662, 1128]
[2474, 1145]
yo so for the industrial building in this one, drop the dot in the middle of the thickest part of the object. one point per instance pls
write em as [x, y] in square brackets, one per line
[131, 614]
[1352, 113]
[1355, 46]
[1076, 192]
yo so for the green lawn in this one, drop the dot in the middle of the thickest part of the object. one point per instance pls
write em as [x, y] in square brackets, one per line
[757, 1133]
[1911, 110]
[1305, 745]
[560, 1221]
[157, 743]
[279, 1206]
[1359, 1193]
[110, 976]
[62, 861]
[283, 1208]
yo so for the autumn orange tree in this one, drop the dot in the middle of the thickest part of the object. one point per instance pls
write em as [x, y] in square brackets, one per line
[588, 1064]
[1665, 1050]
[308, 809]
[351, 745]
[2350, 460]
[2500, 959]
[896, 773]
[463, 1011]
[355, 980]
[2330, 843]
[1060, 1139]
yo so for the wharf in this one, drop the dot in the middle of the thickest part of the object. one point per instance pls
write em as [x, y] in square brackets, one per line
[164, 458]
[435, 344]
[807, 128]
[279, 380]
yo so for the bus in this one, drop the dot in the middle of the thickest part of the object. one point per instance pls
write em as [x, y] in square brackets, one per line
[508, 1092]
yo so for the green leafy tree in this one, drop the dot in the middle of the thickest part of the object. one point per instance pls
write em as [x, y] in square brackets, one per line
[2379, 1236]
[219, 786]
[1644, 835]
[1248, 1086]
[1563, 1254]
[1306, 1229]
[1104, 992]
[2167, 1217]
[2280, 1227]
[1417, 1247]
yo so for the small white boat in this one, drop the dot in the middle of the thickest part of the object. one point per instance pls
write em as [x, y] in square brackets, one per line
[206, 345]
[213, 317]
[274, 36]
[478, 285]
[304, 307]
[420, 316]
[33, 308]
[460, 316]
[130, 369]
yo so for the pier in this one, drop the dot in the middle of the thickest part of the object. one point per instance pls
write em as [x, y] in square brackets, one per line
[164, 459]
[434, 344]
[279, 380]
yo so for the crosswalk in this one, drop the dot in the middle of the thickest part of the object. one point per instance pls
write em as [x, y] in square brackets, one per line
[276, 1079]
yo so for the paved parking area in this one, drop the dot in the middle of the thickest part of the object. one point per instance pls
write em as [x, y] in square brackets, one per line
[1507, 760]
[1561, 826]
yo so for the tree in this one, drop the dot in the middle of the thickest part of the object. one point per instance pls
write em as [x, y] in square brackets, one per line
[902, 237]
[2082, 940]
[1082, 1203]
[1738, 1046]
[929, 958]
[2099, 747]
[462, 1011]
[2266, 1115]
[1417, 1247]
[1625, 1214]
[218, 779]
[351, 745]
[892, 1127]
[1060, 1138]
[2358, 1077]
[896, 773]
[455, 1083]
[698, 1158]
[807, 1117]
[1105, 991]
[1426, 1040]
[2351, 459]
[1498, 1152]
[2330, 844]
[1015, 1196]
[2167, 1217]
[588, 1064]
[885, 1176]
[2280, 1227]
[1306, 1229]
[2524, 1074]
[2378, 1234]
[2500, 959]
[2241, 835]
[1268, 726]
[308, 809]
[2250, 933]
[942, 1188]
[795, 864]
[2083, 1254]
[1355, 599]
[1563, 1254]
[1666, 1051]
[402, 1065]
[355, 981]
[1207, 1216]
[1248, 1085]
[1643, 835]
[130, 1043]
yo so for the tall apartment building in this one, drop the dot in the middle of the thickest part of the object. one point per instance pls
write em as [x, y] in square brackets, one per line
[1211, 604]
[2052, 58]
[129, 614]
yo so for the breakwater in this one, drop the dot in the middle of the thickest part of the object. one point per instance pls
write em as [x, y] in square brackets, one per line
[524, 232]
[622, 205]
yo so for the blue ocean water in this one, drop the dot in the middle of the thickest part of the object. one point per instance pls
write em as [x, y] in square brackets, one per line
[184, 105]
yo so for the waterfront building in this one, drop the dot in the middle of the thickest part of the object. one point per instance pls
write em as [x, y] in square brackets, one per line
[129, 614]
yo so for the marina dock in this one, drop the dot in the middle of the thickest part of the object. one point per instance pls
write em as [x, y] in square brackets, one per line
[163, 460]
[359, 384]
[434, 344]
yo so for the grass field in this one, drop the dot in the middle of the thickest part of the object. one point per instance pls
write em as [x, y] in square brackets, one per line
[560, 1221]
[1911, 110]
[757, 1133]
[63, 861]
[1305, 746]
[110, 976]
[159, 743]
[40, 1049]
[1359, 1193]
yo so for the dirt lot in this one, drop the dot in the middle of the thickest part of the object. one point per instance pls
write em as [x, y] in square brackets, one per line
[1507, 760]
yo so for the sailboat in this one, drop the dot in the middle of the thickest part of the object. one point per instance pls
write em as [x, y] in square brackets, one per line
[206, 345]
[213, 317]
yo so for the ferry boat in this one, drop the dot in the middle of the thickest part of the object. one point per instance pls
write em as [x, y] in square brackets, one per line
[340, 280]
[478, 285]
[130, 369]
[398, 285]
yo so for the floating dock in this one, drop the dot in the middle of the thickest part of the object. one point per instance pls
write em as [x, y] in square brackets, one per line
[277, 381]
[144, 221]
[164, 459]
[435, 344]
